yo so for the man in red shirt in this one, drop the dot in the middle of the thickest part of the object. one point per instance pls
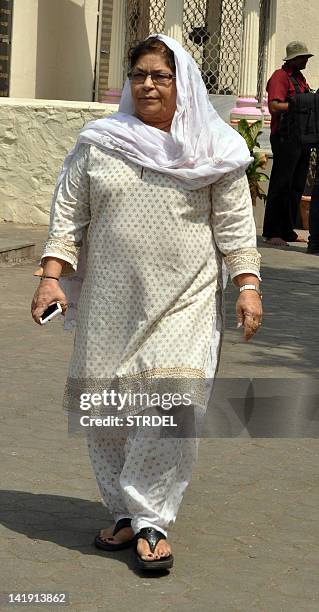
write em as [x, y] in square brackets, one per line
[290, 159]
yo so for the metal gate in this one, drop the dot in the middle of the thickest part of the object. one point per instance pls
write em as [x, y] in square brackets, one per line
[212, 33]
[6, 7]
[157, 16]
[137, 24]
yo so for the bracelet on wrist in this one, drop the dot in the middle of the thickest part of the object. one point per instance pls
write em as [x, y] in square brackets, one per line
[53, 277]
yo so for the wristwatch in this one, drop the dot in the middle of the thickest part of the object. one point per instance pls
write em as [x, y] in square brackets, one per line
[253, 287]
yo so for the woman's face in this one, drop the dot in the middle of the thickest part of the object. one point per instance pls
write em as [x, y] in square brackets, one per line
[155, 103]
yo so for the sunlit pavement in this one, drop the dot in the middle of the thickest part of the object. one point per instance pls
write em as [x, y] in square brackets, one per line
[246, 537]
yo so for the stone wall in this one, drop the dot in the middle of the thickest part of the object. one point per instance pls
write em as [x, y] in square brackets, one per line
[35, 136]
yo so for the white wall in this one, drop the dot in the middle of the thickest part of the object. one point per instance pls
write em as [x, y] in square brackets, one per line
[35, 136]
[76, 49]
[298, 21]
[53, 49]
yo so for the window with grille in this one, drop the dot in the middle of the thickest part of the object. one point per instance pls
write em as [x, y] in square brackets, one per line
[212, 33]
[157, 16]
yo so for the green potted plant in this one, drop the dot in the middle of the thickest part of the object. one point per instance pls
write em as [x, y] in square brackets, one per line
[254, 172]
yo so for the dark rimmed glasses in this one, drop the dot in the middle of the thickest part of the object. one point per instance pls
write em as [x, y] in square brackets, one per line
[158, 78]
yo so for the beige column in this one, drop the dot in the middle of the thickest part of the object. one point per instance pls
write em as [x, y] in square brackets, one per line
[115, 81]
[249, 58]
[271, 45]
[174, 19]
[23, 72]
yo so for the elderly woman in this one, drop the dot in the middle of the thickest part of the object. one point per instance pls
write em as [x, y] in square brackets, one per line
[157, 198]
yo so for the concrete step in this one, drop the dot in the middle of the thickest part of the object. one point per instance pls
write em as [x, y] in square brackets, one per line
[13, 251]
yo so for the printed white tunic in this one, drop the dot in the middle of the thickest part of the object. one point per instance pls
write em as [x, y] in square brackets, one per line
[153, 281]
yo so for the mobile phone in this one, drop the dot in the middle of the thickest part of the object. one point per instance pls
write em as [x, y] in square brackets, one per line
[50, 313]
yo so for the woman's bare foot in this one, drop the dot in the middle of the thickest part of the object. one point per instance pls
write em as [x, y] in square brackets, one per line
[276, 241]
[123, 535]
[300, 239]
[162, 550]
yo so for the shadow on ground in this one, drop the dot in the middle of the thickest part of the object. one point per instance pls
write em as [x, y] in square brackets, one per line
[288, 338]
[66, 521]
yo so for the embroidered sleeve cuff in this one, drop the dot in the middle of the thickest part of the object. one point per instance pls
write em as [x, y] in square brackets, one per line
[243, 261]
[62, 249]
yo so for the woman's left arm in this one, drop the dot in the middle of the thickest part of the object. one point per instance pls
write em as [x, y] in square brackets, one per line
[234, 232]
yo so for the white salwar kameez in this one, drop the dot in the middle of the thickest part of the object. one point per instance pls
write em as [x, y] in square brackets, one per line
[158, 214]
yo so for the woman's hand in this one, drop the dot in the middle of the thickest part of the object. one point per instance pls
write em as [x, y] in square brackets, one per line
[249, 312]
[48, 292]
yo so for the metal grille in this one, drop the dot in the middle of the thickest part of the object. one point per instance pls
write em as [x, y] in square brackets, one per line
[137, 25]
[212, 33]
[143, 17]
[157, 16]
[133, 18]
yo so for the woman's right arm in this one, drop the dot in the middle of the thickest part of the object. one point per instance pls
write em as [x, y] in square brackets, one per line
[70, 214]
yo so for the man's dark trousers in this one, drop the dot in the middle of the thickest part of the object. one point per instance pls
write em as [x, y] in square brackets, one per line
[286, 186]
[313, 243]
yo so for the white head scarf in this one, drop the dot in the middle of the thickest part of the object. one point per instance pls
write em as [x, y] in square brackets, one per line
[198, 150]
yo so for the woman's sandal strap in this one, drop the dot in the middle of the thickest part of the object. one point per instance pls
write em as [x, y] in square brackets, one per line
[151, 535]
[121, 524]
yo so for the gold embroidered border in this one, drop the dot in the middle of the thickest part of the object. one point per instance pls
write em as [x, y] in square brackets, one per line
[243, 258]
[65, 248]
[179, 372]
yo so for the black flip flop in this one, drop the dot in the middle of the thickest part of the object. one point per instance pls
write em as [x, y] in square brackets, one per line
[99, 543]
[152, 536]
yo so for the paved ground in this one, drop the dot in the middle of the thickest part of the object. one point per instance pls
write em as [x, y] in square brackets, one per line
[247, 535]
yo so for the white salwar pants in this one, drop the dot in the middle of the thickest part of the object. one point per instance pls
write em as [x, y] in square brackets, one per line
[142, 478]
[145, 478]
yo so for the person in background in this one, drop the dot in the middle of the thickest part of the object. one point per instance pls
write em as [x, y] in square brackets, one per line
[290, 159]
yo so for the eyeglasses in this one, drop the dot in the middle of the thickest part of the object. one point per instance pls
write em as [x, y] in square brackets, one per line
[159, 78]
